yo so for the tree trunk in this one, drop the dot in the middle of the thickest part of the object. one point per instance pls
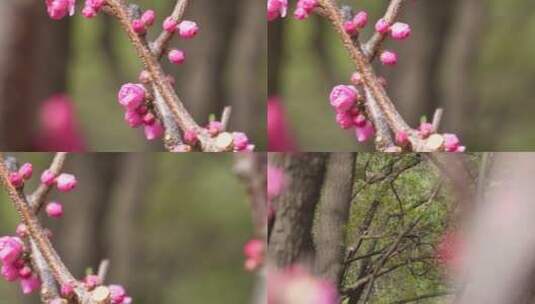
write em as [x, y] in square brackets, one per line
[291, 237]
[333, 212]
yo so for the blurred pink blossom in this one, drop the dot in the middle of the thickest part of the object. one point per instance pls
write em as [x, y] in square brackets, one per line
[279, 136]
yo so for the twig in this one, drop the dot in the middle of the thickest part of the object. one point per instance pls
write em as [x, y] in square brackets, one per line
[103, 270]
[372, 46]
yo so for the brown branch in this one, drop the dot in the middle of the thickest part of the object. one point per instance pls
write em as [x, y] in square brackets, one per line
[38, 197]
[103, 270]
[423, 297]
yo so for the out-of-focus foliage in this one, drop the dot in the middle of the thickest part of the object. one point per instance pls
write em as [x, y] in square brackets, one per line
[194, 221]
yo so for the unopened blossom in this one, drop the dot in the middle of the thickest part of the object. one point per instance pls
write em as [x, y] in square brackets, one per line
[26, 171]
[382, 26]
[452, 143]
[154, 130]
[361, 19]
[169, 24]
[148, 17]
[54, 210]
[25, 272]
[215, 127]
[133, 118]
[350, 27]
[16, 179]
[48, 177]
[30, 284]
[191, 137]
[279, 135]
[9, 272]
[58, 9]
[22, 230]
[241, 141]
[389, 58]
[343, 97]
[91, 281]
[118, 294]
[365, 132]
[139, 26]
[131, 95]
[10, 249]
[400, 31]
[401, 138]
[344, 120]
[188, 29]
[66, 182]
[276, 9]
[67, 289]
[425, 129]
[176, 56]
[254, 254]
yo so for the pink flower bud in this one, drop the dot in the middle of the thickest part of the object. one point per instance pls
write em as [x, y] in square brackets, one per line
[389, 58]
[118, 294]
[144, 77]
[190, 137]
[240, 141]
[176, 56]
[188, 29]
[359, 120]
[254, 249]
[308, 5]
[22, 230]
[89, 12]
[361, 19]
[67, 289]
[10, 249]
[30, 284]
[149, 118]
[25, 272]
[9, 272]
[54, 210]
[215, 127]
[276, 9]
[58, 9]
[131, 95]
[133, 118]
[402, 138]
[26, 171]
[452, 143]
[15, 178]
[400, 31]
[356, 78]
[382, 26]
[344, 120]
[148, 17]
[425, 129]
[365, 132]
[138, 26]
[48, 178]
[343, 97]
[350, 27]
[95, 4]
[153, 131]
[92, 281]
[301, 14]
[66, 182]
[169, 25]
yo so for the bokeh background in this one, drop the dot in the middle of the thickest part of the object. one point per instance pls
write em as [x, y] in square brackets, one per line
[171, 234]
[90, 59]
[471, 57]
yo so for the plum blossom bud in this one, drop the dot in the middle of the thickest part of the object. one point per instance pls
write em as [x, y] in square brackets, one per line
[188, 29]
[66, 182]
[25, 272]
[91, 281]
[133, 118]
[176, 56]
[30, 284]
[10, 249]
[241, 141]
[67, 289]
[138, 26]
[356, 78]
[26, 171]
[343, 97]
[350, 27]
[58, 9]
[365, 132]
[361, 19]
[169, 25]
[400, 31]
[22, 230]
[402, 138]
[425, 129]
[154, 130]
[389, 58]
[254, 253]
[215, 127]
[131, 95]
[48, 178]
[144, 77]
[9, 272]
[382, 26]
[452, 143]
[15, 178]
[344, 120]
[301, 14]
[148, 17]
[149, 118]
[89, 12]
[276, 9]
[118, 294]
[95, 4]
[54, 210]
[190, 137]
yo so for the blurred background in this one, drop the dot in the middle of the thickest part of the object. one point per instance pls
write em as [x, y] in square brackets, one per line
[471, 57]
[171, 234]
[90, 59]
